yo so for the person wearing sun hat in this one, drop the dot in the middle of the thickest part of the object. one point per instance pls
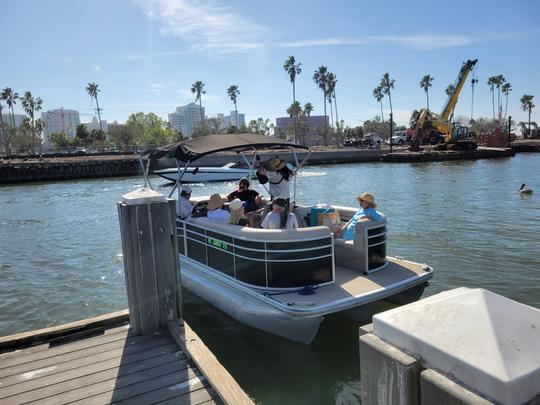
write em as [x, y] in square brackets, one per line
[367, 210]
[237, 216]
[277, 174]
[215, 209]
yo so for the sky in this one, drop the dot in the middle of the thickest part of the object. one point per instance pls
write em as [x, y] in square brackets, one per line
[146, 54]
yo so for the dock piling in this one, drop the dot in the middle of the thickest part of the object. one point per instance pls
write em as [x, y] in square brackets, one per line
[148, 231]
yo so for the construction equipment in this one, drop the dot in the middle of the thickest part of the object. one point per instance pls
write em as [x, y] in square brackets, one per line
[534, 131]
[433, 128]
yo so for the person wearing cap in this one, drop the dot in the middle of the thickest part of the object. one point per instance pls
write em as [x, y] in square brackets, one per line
[216, 212]
[183, 207]
[280, 217]
[245, 194]
[236, 210]
[367, 210]
[277, 174]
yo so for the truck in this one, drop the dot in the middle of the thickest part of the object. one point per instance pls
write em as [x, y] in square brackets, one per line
[437, 128]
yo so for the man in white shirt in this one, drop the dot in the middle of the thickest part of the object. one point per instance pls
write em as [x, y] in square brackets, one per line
[183, 207]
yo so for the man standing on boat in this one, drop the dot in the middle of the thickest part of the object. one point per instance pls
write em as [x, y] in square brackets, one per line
[277, 174]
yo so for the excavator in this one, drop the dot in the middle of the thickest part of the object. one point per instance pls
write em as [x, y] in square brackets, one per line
[434, 128]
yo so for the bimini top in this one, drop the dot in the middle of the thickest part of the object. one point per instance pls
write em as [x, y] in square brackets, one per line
[189, 151]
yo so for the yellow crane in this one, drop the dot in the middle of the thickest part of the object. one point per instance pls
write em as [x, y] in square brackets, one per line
[437, 127]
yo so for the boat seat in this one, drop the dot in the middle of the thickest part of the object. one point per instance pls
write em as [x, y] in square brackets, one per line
[353, 253]
[261, 234]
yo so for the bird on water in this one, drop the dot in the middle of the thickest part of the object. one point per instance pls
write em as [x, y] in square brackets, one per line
[525, 190]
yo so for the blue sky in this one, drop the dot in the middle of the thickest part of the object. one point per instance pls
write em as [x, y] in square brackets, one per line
[145, 54]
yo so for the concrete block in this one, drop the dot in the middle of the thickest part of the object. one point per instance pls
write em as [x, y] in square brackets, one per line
[436, 389]
[480, 339]
[388, 375]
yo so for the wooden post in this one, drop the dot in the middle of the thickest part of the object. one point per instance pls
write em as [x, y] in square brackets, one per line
[149, 243]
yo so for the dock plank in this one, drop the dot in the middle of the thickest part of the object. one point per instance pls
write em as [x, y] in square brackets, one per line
[179, 382]
[86, 375]
[150, 349]
[45, 351]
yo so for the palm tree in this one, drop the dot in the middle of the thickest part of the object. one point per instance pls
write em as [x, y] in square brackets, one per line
[233, 93]
[92, 90]
[387, 85]
[499, 81]
[379, 95]
[32, 105]
[308, 109]
[473, 84]
[425, 83]
[10, 97]
[492, 81]
[506, 89]
[527, 105]
[450, 89]
[197, 88]
[292, 68]
[320, 77]
[332, 81]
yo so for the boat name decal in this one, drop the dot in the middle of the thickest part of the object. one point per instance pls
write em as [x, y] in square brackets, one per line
[219, 244]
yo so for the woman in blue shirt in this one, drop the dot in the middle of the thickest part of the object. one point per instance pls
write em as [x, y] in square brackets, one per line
[367, 210]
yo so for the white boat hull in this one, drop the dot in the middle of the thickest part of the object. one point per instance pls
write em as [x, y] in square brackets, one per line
[245, 309]
[204, 174]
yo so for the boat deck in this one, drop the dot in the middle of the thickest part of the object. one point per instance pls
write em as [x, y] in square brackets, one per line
[112, 367]
[350, 283]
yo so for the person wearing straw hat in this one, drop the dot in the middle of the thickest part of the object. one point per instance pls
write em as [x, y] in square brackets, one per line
[367, 210]
[237, 216]
[216, 212]
[277, 174]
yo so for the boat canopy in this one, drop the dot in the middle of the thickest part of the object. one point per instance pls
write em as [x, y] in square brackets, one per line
[189, 151]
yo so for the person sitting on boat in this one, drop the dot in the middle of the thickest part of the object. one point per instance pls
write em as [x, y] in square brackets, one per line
[245, 194]
[236, 213]
[183, 207]
[280, 217]
[367, 210]
[215, 209]
[277, 174]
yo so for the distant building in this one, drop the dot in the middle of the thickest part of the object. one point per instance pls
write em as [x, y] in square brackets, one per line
[114, 125]
[60, 120]
[6, 119]
[226, 121]
[313, 135]
[186, 118]
[95, 125]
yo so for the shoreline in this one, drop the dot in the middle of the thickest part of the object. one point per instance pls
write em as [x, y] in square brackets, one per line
[102, 166]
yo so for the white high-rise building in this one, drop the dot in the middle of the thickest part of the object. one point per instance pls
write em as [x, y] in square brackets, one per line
[60, 120]
[226, 121]
[186, 118]
[241, 119]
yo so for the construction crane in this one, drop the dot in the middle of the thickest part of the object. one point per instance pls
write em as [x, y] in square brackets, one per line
[437, 128]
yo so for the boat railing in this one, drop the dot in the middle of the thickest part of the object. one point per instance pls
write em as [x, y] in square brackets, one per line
[269, 259]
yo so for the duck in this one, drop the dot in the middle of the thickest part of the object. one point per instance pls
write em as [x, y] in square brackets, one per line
[525, 190]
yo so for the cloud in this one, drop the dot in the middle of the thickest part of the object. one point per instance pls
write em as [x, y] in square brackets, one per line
[152, 55]
[417, 42]
[209, 28]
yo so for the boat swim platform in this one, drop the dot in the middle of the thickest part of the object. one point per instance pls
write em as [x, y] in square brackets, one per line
[350, 283]
[100, 361]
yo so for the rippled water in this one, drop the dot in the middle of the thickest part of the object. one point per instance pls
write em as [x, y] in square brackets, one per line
[60, 259]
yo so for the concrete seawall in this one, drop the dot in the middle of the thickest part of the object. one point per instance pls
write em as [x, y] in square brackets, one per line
[67, 169]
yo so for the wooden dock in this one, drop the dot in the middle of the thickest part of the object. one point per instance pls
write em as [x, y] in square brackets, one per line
[99, 361]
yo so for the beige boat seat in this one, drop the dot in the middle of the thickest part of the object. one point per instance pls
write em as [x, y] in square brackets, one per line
[353, 253]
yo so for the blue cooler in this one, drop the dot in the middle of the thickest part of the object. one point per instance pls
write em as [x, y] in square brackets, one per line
[318, 210]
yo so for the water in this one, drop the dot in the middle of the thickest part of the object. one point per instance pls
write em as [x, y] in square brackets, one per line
[60, 259]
